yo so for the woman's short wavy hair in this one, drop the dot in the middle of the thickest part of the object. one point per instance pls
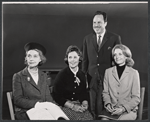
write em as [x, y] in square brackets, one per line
[127, 53]
[43, 58]
[72, 48]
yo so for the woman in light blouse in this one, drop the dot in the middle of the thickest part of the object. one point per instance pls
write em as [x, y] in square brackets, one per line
[121, 94]
[70, 87]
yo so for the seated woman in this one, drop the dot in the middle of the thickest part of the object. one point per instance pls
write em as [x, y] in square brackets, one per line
[121, 92]
[70, 87]
[30, 85]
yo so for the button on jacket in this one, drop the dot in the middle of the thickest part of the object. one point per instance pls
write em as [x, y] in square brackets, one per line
[124, 91]
[66, 89]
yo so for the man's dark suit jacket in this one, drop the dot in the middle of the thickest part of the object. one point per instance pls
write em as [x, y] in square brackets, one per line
[26, 93]
[95, 62]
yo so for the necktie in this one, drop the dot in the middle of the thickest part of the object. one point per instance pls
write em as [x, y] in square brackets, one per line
[99, 42]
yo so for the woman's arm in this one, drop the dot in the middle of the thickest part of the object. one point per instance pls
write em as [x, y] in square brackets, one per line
[84, 94]
[49, 89]
[19, 99]
[105, 93]
[59, 89]
[135, 93]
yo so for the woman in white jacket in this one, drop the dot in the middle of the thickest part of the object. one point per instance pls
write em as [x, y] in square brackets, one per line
[121, 94]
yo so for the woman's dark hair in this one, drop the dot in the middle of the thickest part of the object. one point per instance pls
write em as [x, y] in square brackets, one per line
[43, 58]
[101, 13]
[127, 53]
[72, 48]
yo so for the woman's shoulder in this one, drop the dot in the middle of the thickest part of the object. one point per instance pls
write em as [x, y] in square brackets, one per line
[21, 72]
[110, 68]
[63, 72]
[19, 75]
[81, 72]
[133, 70]
[42, 72]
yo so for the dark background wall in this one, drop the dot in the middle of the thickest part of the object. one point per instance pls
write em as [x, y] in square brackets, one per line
[56, 29]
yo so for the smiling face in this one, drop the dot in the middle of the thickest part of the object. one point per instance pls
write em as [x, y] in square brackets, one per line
[99, 24]
[119, 57]
[73, 59]
[33, 58]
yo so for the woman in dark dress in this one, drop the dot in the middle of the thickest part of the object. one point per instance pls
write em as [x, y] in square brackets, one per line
[30, 85]
[70, 87]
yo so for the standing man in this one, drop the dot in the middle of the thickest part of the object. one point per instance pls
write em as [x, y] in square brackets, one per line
[97, 58]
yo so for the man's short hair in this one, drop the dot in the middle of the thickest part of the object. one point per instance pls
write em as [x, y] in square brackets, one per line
[101, 13]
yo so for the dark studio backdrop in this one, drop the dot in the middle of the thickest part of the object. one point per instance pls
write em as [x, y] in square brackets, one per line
[57, 26]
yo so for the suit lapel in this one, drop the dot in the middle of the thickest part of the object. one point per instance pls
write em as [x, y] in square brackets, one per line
[104, 40]
[125, 73]
[115, 74]
[41, 79]
[29, 78]
[95, 42]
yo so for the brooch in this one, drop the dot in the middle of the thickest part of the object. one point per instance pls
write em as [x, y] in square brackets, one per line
[28, 78]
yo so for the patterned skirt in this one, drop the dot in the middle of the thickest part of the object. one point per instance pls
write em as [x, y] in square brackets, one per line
[73, 115]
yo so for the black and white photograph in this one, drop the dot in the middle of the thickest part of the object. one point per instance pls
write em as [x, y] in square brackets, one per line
[74, 60]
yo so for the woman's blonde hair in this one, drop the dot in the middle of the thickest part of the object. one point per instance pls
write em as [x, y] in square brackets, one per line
[127, 53]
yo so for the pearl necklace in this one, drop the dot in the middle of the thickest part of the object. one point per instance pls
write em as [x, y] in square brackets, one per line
[34, 74]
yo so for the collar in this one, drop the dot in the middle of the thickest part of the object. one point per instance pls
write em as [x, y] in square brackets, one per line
[75, 72]
[26, 72]
[127, 69]
[102, 35]
[31, 72]
[119, 67]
